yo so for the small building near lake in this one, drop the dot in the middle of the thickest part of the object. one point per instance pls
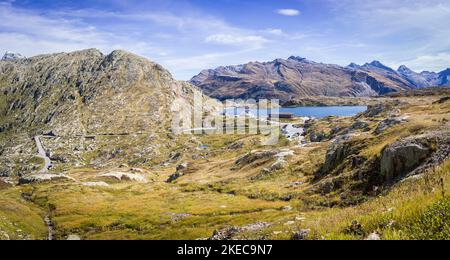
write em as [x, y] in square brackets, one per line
[281, 116]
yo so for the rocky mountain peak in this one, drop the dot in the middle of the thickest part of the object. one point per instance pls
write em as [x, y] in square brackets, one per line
[379, 65]
[405, 70]
[11, 56]
[297, 58]
[354, 66]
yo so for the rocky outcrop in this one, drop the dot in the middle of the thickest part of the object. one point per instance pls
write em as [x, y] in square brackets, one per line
[301, 234]
[181, 170]
[414, 155]
[236, 145]
[123, 176]
[388, 123]
[255, 156]
[338, 151]
[402, 157]
[174, 177]
[376, 110]
[262, 157]
[38, 178]
[360, 125]
[232, 233]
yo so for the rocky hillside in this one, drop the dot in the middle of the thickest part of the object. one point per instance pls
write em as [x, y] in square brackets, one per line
[297, 77]
[84, 95]
[87, 92]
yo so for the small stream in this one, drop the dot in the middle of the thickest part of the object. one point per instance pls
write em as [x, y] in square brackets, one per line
[50, 227]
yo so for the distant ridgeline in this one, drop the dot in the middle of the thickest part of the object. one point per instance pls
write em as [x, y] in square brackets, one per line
[298, 78]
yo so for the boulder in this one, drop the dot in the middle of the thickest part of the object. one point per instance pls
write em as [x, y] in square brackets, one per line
[278, 165]
[236, 145]
[175, 157]
[174, 177]
[122, 176]
[224, 234]
[329, 185]
[388, 123]
[381, 109]
[375, 110]
[38, 178]
[255, 156]
[360, 125]
[301, 235]
[182, 167]
[231, 233]
[317, 137]
[402, 157]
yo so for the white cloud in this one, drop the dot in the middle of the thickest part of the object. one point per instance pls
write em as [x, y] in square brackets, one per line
[229, 39]
[410, 32]
[276, 32]
[429, 62]
[288, 12]
[31, 33]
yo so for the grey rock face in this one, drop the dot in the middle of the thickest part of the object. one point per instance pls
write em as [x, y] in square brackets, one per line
[174, 177]
[387, 123]
[360, 125]
[375, 110]
[336, 153]
[37, 178]
[236, 145]
[254, 156]
[401, 157]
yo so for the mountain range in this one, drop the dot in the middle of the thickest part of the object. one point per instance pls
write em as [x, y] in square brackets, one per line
[296, 77]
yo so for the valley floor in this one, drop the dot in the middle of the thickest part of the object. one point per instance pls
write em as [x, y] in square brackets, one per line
[336, 186]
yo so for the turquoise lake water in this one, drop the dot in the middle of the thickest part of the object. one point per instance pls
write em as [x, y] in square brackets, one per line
[316, 112]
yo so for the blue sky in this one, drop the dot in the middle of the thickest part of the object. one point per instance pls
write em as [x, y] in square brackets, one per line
[187, 36]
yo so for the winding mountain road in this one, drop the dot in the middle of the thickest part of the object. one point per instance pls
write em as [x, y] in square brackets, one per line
[42, 154]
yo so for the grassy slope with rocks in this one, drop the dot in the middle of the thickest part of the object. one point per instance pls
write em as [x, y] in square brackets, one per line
[282, 191]
[213, 194]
